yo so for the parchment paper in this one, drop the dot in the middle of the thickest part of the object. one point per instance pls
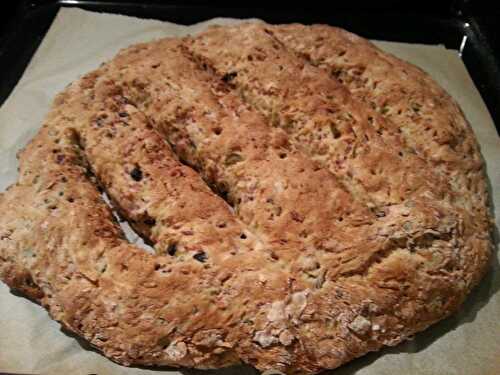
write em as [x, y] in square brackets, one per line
[78, 41]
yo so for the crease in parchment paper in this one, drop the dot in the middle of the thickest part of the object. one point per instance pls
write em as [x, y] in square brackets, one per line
[77, 42]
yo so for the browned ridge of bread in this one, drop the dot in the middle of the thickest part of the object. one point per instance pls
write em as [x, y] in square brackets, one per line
[301, 215]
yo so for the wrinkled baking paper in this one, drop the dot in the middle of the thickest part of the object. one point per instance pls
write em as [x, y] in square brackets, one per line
[78, 41]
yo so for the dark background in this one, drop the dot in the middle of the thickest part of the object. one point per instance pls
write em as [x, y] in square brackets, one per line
[484, 11]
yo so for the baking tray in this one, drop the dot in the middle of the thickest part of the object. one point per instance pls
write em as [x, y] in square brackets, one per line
[447, 24]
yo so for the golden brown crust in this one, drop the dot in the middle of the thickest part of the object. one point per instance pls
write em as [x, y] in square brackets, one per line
[335, 244]
[428, 119]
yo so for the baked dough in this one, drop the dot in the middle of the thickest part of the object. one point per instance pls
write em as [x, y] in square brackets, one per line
[309, 199]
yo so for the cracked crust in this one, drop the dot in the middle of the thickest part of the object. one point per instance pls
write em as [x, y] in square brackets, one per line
[295, 227]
